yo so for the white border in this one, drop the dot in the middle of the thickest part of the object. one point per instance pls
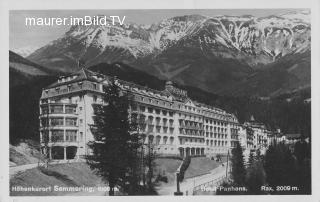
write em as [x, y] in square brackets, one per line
[6, 5]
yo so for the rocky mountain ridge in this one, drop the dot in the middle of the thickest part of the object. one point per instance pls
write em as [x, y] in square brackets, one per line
[222, 50]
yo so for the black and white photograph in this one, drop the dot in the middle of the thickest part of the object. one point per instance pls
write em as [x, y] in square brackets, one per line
[160, 102]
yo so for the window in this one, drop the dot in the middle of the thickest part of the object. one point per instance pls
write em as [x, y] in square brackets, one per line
[70, 109]
[81, 136]
[71, 122]
[158, 138]
[134, 107]
[71, 135]
[142, 109]
[81, 121]
[44, 110]
[94, 86]
[165, 138]
[150, 139]
[56, 121]
[57, 109]
[94, 98]
[57, 136]
[171, 140]
[171, 114]
[150, 110]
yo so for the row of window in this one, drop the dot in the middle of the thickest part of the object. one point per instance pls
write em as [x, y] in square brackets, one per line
[152, 110]
[154, 101]
[157, 140]
[216, 135]
[185, 123]
[215, 129]
[71, 87]
[58, 109]
[214, 122]
[190, 117]
[216, 143]
[191, 132]
[150, 120]
[214, 115]
[190, 140]
[157, 129]
[58, 136]
[58, 121]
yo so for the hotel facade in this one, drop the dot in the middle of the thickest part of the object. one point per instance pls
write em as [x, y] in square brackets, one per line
[173, 123]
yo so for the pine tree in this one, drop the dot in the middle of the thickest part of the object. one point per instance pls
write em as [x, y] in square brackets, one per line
[255, 176]
[114, 149]
[238, 171]
[251, 159]
[279, 165]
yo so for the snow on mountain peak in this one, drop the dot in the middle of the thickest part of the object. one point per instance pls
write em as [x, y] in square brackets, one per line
[272, 36]
[25, 51]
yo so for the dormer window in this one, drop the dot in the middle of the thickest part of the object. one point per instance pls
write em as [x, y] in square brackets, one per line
[80, 85]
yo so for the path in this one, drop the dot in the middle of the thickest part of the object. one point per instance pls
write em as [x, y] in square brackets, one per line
[21, 168]
[188, 184]
[15, 169]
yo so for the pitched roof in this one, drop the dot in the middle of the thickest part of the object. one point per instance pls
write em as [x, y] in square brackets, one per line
[82, 74]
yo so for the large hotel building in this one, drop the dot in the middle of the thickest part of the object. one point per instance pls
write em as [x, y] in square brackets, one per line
[174, 124]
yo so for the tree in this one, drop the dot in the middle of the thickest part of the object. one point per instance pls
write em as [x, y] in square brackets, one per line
[279, 165]
[150, 164]
[302, 152]
[238, 171]
[251, 159]
[255, 176]
[114, 148]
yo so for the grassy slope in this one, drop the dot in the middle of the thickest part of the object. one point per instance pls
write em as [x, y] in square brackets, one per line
[200, 166]
[73, 174]
[25, 152]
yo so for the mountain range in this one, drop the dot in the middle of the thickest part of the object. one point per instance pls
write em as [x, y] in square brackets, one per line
[228, 55]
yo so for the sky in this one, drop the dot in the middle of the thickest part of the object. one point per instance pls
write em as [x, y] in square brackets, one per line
[21, 36]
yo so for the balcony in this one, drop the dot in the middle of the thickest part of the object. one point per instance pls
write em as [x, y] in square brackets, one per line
[49, 109]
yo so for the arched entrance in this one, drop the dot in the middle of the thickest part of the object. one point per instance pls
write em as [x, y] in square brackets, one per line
[57, 152]
[71, 152]
[181, 151]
